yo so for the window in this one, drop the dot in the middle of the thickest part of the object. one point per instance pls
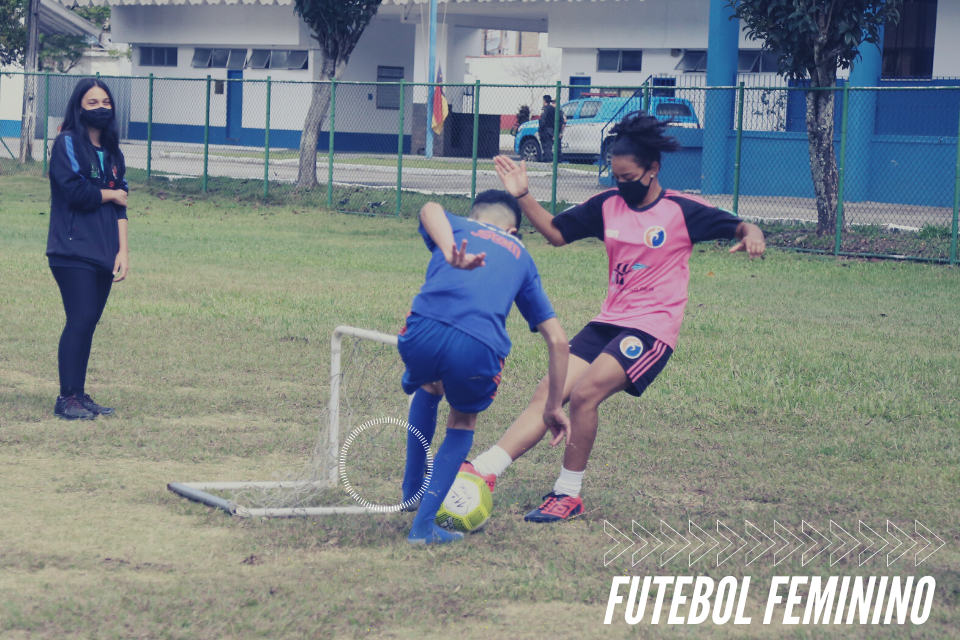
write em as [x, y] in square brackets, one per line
[748, 61]
[756, 61]
[693, 62]
[908, 45]
[631, 60]
[660, 92]
[388, 96]
[590, 109]
[277, 59]
[619, 60]
[218, 58]
[569, 110]
[673, 110]
[158, 56]
[259, 59]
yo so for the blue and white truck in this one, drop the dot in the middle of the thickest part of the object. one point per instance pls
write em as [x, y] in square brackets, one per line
[588, 123]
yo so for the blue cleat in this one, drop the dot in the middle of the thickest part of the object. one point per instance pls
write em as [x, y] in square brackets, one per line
[434, 535]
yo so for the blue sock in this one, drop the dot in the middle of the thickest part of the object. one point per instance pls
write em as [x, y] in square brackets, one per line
[423, 417]
[453, 452]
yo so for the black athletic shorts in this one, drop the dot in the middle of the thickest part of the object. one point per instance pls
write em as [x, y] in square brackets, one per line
[641, 355]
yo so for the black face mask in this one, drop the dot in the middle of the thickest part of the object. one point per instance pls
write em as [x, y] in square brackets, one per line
[634, 192]
[97, 118]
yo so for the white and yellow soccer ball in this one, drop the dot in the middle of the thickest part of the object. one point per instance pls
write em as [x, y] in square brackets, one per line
[468, 505]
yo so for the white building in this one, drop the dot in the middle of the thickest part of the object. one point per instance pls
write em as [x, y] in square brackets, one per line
[608, 43]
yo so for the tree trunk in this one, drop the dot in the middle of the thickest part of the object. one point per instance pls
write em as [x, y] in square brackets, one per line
[319, 106]
[823, 159]
[28, 121]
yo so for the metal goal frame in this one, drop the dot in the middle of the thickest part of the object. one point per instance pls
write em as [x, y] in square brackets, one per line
[197, 491]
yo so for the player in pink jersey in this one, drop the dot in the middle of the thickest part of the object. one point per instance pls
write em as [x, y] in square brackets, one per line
[649, 233]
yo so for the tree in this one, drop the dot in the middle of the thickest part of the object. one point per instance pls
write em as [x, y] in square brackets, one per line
[13, 35]
[337, 26]
[533, 71]
[60, 54]
[814, 38]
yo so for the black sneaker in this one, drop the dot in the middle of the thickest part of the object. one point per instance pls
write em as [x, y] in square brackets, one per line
[93, 407]
[70, 408]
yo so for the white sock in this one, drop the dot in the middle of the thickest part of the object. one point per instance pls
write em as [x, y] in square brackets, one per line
[494, 460]
[569, 482]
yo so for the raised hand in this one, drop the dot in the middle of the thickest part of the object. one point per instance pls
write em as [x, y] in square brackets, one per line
[512, 175]
[460, 259]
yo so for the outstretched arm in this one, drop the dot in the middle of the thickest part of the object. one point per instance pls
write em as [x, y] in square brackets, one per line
[559, 349]
[751, 240]
[434, 220]
[514, 178]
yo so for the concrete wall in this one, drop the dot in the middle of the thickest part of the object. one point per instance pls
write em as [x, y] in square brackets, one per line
[210, 25]
[180, 97]
[946, 53]
[11, 106]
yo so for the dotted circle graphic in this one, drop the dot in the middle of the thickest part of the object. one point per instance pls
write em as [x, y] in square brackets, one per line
[380, 508]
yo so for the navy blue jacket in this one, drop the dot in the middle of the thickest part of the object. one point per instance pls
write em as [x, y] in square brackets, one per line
[83, 229]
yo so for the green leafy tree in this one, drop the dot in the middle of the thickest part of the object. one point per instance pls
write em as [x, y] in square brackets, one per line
[60, 54]
[337, 26]
[813, 39]
[13, 32]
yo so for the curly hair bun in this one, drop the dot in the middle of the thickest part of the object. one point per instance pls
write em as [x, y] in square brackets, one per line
[643, 137]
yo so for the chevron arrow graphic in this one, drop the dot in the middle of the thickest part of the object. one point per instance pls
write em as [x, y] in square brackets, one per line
[716, 543]
[869, 543]
[799, 543]
[834, 558]
[659, 542]
[899, 542]
[917, 527]
[746, 531]
[729, 543]
[803, 558]
[607, 557]
[672, 530]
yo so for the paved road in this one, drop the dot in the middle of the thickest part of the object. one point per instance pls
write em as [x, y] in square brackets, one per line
[573, 186]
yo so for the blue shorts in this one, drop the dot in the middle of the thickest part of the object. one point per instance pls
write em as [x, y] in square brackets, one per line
[469, 370]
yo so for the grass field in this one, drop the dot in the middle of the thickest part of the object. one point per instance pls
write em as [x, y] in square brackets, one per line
[803, 388]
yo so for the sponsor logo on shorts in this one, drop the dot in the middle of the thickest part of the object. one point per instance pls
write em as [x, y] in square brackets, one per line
[631, 347]
[612, 233]
[655, 237]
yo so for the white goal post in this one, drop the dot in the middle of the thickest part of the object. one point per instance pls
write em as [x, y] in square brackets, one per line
[329, 468]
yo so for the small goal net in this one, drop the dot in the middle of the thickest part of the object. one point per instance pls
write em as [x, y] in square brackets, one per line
[358, 459]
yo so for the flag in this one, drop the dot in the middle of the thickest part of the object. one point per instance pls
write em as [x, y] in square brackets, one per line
[440, 106]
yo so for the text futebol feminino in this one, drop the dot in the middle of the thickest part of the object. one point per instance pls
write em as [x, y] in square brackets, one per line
[793, 599]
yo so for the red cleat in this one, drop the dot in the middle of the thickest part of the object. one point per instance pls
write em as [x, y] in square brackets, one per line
[556, 507]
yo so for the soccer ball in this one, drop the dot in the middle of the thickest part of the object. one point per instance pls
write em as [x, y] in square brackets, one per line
[468, 505]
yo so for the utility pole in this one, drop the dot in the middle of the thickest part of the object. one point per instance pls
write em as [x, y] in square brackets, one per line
[28, 122]
[431, 77]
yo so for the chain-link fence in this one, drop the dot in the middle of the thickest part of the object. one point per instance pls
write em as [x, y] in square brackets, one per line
[386, 148]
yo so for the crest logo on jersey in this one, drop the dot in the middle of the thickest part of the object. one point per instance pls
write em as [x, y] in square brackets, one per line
[631, 347]
[655, 237]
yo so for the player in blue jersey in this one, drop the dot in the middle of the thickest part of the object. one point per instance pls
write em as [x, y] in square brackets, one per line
[455, 341]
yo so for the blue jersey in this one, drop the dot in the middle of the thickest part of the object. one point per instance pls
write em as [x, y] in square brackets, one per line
[478, 302]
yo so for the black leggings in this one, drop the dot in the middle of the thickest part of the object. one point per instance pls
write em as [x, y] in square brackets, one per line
[84, 294]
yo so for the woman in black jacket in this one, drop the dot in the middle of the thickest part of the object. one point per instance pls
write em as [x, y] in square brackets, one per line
[87, 243]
